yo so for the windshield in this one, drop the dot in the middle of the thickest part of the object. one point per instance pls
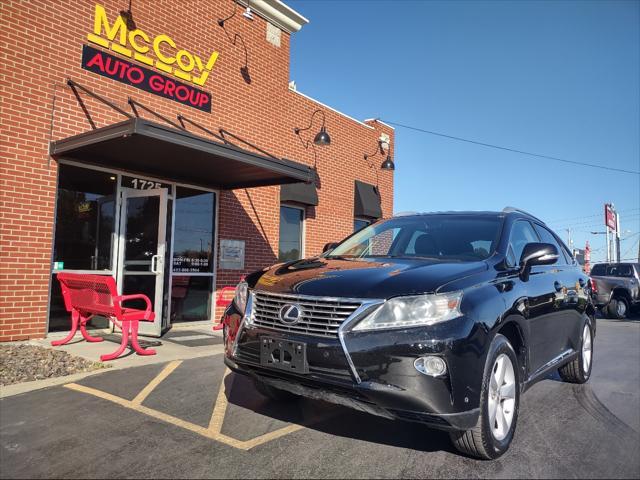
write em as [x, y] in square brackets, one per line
[450, 237]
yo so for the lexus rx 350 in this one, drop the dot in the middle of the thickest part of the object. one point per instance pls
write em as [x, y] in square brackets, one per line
[443, 319]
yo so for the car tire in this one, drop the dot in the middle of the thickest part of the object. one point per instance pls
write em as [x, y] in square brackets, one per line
[491, 437]
[579, 369]
[618, 308]
[275, 394]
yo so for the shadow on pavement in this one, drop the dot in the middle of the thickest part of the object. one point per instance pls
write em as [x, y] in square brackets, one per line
[336, 420]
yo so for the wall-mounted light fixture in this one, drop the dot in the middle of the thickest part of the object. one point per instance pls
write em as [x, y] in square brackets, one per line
[221, 21]
[322, 138]
[127, 16]
[388, 163]
[244, 70]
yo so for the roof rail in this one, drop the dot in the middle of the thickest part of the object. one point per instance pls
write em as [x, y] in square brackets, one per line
[518, 210]
[405, 214]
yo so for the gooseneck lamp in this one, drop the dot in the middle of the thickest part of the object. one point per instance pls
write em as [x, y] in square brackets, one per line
[322, 138]
[387, 164]
[127, 16]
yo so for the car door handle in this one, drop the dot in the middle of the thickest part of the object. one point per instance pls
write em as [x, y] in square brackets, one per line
[558, 286]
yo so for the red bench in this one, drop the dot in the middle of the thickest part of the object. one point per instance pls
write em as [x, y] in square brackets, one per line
[224, 300]
[88, 295]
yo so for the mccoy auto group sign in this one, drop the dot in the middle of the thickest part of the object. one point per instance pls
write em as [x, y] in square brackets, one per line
[186, 68]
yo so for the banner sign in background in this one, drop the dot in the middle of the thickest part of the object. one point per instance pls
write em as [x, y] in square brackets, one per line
[610, 217]
[107, 65]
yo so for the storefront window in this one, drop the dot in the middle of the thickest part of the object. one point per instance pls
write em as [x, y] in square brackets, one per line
[193, 231]
[191, 298]
[85, 219]
[359, 224]
[193, 244]
[290, 247]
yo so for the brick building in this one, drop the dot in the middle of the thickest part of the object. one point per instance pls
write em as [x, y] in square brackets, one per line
[200, 179]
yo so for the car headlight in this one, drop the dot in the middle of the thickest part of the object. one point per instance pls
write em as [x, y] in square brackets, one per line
[240, 298]
[413, 311]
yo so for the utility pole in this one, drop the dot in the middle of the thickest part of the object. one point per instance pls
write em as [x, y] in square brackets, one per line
[608, 246]
[569, 240]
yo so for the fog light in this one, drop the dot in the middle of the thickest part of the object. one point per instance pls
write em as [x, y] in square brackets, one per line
[433, 366]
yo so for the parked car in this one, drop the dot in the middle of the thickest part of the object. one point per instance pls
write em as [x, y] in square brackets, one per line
[616, 288]
[442, 319]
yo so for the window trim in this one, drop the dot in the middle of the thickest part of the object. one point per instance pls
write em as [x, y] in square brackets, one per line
[509, 245]
[303, 227]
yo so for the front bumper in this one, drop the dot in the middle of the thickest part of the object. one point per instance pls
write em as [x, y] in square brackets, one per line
[374, 371]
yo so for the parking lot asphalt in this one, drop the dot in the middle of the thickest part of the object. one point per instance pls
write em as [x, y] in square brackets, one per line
[192, 418]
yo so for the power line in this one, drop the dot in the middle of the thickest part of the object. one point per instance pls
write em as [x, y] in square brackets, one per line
[508, 149]
[629, 218]
[591, 216]
[633, 245]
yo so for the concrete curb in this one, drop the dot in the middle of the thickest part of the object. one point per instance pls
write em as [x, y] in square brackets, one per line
[24, 387]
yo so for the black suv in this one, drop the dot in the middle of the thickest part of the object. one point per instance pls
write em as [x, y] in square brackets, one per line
[443, 319]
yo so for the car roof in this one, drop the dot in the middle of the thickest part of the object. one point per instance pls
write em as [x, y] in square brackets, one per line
[508, 211]
[617, 263]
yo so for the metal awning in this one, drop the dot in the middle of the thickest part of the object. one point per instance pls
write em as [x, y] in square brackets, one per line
[140, 146]
[304, 193]
[367, 201]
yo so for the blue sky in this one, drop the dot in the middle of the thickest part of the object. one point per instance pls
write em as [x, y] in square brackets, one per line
[556, 78]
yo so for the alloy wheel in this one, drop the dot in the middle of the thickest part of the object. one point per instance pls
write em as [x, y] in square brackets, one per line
[502, 397]
[586, 349]
[621, 308]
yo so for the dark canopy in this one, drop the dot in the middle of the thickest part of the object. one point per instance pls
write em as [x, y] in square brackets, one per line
[145, 147]
[367, 201]
[304, 193]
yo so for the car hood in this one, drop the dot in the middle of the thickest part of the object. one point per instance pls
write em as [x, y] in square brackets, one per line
[362, 278]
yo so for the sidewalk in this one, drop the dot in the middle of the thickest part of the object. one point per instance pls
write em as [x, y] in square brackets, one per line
[180, 343]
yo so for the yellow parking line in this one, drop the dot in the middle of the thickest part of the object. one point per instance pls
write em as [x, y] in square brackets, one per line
[220, 407]
[267, 437]
[213, 431]
[139, 408]
[166, 371]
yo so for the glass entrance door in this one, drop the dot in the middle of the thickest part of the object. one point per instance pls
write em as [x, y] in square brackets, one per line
[141, 256]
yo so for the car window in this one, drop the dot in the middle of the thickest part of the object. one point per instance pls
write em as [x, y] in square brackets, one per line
[521, 233]
[411, 246]
[621, 270]
[599, 270]
[452, 237]
[567, 254]
[548, 237]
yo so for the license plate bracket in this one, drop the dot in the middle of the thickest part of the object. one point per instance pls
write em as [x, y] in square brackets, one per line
[284, 355]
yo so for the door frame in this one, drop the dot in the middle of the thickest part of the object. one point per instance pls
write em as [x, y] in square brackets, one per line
[171, 196]
[155, 328]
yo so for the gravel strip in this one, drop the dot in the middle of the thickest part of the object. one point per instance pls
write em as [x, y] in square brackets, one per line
[24, 363]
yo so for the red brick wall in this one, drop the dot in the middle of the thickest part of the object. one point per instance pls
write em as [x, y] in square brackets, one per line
[40, 47]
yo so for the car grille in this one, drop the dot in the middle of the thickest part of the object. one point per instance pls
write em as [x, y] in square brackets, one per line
[320, 317]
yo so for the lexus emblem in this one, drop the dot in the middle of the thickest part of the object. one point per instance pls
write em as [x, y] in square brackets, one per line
[290, 314]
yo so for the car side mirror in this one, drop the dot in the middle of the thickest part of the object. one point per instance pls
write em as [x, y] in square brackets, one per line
[329, 246]
[536, 254]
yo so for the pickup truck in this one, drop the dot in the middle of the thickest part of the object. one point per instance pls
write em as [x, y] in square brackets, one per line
[616, 288]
